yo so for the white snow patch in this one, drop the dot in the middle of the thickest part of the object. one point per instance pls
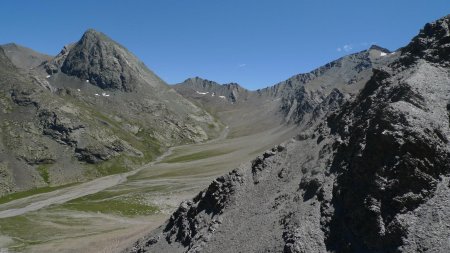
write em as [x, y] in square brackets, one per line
[393, 53]
[48, 76]
[222, 97]
[97, 94]
[105, 95]
[213, 94]
[87, 81]
[383, 54]
[78, 90]
[201, 93]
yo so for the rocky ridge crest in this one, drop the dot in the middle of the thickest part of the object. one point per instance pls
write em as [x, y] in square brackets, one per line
[371, 176]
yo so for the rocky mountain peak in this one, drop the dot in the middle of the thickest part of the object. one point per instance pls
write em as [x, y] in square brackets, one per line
[92, 36]
[230, 91]
[93, 33]
[103, 62]
[378, 48]
[432, 43]
[375, 53]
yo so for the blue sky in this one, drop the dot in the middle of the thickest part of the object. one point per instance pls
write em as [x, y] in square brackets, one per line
[256, 43]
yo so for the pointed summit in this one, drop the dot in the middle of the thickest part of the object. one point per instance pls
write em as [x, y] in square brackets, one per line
[102, 61]
[94, 35]
[381, 49]
[92, 31]
[376, 52]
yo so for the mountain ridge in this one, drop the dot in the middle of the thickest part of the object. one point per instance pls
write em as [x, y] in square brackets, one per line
[24, 57]
[232, 92]
[370, 176]
[302, 95]
[59, 127]
[367, 171]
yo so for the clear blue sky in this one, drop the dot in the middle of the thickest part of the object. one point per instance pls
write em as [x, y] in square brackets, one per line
[253, 42]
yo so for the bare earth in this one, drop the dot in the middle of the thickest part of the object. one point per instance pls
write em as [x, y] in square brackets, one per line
[175, 176]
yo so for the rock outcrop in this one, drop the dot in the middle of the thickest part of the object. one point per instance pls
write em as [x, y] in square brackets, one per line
[103, 62]
[52, 66]
[431, 44]
[370, 175]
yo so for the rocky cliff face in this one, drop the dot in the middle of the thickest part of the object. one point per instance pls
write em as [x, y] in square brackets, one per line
[431, 44]
[370, 176]
[53, 65]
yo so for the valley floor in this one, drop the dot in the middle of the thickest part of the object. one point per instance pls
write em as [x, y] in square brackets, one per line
[108, 214]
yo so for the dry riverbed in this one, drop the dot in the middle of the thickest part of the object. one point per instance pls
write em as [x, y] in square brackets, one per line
[109, 213]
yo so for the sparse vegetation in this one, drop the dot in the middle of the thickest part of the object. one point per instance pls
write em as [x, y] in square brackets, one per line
[43, 172]
[118, 207]
[114, 166]
[21, 229]
[24, 194]
[113, 203]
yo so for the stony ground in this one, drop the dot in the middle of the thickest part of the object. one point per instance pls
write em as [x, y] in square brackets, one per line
[98, 221]
[370, 176]
[366, 171]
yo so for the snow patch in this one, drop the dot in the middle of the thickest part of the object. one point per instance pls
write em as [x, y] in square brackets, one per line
[97, 94]
[105, 95]
[383, 54]
[222, 97]
[87, 81]
[78, 90]
[201, 93]
[48, 76]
